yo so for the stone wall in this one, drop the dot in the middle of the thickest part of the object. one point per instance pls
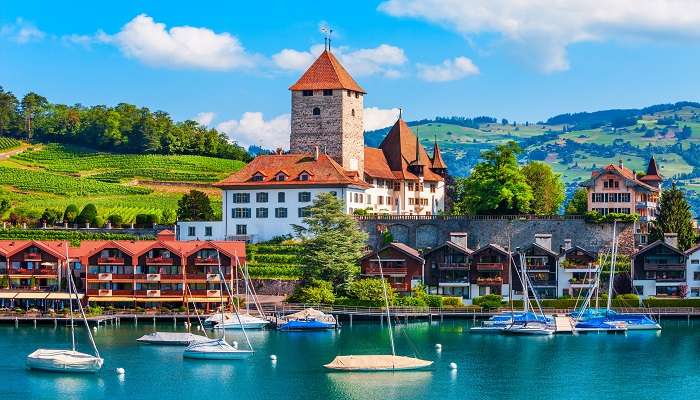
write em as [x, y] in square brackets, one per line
[426, 231]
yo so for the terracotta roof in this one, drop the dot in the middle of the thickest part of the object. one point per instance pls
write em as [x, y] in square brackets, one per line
[653, 245]
[437, 158]
[620, 171]
[323, 171]
[376, 165]
[399, 147]
[492, 246]
[326, 73]
[403, 248]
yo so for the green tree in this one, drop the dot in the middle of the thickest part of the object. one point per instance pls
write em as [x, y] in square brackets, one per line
[674, 217]
[71, 213]
[8, 110]
[332, 242]
[32, 104]
[51, 216]
[578, 205]
[87, 215]
[547, 188]
[315, 292]
[168, 216]
[495, 186]
[115, 219]
[370, 291]
[194, 206]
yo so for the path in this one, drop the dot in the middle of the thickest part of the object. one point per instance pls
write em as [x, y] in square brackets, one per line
[9, 153]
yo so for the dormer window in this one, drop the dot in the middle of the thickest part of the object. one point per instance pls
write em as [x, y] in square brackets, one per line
[316, 111]
[304, 176]
[281, 176]
[257, 177]
[307, 93]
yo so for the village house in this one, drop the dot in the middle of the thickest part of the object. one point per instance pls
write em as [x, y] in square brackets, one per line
[693, 271]
[327, 155]
[448, 267]
[401, 265]
[578, 270]
[659, 269]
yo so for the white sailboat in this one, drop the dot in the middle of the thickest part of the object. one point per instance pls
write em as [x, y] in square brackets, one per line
[531, 323]
[219, 348]
[378, 362]
[62, 360]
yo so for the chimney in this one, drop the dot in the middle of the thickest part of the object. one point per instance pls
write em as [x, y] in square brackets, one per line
[544, 240]
[316, 153]
[671, 239]
[166, 235]
[567, 244]
[460, 239]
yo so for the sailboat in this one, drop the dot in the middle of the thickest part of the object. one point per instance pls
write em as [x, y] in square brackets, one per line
[61, 360]
[175, 338]
[378, 362]
[237, 321]
[530, 323]
[219, 348]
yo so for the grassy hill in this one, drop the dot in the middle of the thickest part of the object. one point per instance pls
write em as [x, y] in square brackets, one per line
[54, 175]
[575, 144]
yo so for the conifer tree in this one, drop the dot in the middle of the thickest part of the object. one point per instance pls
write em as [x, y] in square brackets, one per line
[674, 217]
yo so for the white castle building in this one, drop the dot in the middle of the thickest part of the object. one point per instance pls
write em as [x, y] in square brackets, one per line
[327, 154]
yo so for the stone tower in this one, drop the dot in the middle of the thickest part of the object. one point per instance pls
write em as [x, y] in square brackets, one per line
[327, 107]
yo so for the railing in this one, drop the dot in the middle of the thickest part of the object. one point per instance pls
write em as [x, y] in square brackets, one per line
[586, 281]
[111, 260]
[197, 276]
[206, 261]
[159, 261]
[32, 257]
[460, 266]
[489, 281]
[656, 267]
[679, 280]
[46, 271]
[577, 266]
[164, 277]
[489, 266]
[374, 270]
[524, 217]
[171, 292]
[20, 271]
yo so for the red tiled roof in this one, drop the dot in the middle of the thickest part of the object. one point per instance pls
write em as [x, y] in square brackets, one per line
[399, 148]
[376, 165]
[437, 158]
[625, 173]
[323, 171]
[326, 73]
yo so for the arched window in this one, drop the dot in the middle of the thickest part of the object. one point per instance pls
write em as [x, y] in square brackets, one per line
[316, 111]
[353, 112]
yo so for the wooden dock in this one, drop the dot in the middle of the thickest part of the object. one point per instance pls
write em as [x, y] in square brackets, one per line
[564, 324]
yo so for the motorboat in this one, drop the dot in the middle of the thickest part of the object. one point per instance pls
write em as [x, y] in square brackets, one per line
[307, 320]
[216, 349]
[529, 328]
[171, 338]
[498, 322]
[600, 324]
[236, 321]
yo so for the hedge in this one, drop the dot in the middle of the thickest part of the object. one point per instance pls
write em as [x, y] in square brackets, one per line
[571, 303]
[274, 258]
[654, 302]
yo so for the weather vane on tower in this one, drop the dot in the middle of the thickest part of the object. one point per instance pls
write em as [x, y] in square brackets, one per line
[325, 29]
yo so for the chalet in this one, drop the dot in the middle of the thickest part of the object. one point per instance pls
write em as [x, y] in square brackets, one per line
[659, 269]
[578, 270]
[693, 271]
[448, 267]
[400, 264]
[489, 271]
[541, 266]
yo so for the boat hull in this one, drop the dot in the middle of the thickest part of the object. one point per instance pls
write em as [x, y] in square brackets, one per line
[66, 361]
[376, 363]
[246, 325]
[170, 338]
[312, 325]
[216, 349]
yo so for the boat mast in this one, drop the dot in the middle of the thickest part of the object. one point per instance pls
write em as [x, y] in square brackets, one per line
[70, 300]
[612, 268]
[388, 314]
[235, 308]
[523, 272]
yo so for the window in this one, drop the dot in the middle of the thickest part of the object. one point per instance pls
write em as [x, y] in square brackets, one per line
[280, 212]
[304, 212]
[410, 186]
[307, 93]
[280, 197]
[316, 111]
[696, 276]
[241, 229]
[304, 177]
[695, 292]
[695, 261]
[191, 231]
[207, 231]
[261, 197]
[352, 112]
[261, 212]
[281, 177]
[240, 213]
[304, 197]
[241, 198]
[349, 93]
[397, 186]
[432, 188]
[357, 95]
[334, 193]
[381, 200]
[328, 92]
[257, 178]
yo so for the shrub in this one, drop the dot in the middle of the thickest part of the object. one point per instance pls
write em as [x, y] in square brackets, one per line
[489, 301]
[145, 220]
[71, 213]
[51, 216]
[94, 310]
[316, 292]
[410, 301]
[451, 301]
[115, 219]
[370, 290]
[168, 216]
[99, 222]
[87, 215]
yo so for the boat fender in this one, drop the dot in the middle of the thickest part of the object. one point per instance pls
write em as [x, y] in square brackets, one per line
[273, 358]
[235, 344]
[94, 329]
[453, 365]
[120, 371]
[438, 347]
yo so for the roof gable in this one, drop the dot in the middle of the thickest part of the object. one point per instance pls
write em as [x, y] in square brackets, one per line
[400, 147]
[326, 73]
[655, 244]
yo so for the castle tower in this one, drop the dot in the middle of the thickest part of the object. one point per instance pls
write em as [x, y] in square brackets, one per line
[327, 107]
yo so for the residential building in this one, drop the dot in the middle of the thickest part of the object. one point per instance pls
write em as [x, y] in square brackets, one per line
[617, 189]
[448, 267]
[659, 269]
[490, 271]
[327, 154]
[401, 265]
[541, 267]
[693, 271]
[578, 270]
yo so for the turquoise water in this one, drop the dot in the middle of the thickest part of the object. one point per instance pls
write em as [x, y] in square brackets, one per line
[637, 365]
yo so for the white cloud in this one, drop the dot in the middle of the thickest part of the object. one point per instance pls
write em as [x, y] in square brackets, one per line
[204, 118]
[178, 47]
[381, 60]
[378, 118]
[22, 32]
[544, 29]
[449, 70]
[253, 129]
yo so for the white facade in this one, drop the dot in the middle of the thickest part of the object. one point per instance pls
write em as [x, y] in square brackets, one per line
[258, 215]
[405, 197]
[692, 273]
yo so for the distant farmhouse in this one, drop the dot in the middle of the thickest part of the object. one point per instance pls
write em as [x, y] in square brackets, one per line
[327, 154]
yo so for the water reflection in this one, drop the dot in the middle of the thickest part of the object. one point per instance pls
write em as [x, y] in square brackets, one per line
[358, 385]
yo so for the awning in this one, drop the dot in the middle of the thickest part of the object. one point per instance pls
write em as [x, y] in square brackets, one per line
[205, 300]
[31, 296]
[157, 299]
[110, 299]
[63, 296]
[7, 295]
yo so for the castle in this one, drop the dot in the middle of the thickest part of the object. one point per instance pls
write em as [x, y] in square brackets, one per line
[327, 154]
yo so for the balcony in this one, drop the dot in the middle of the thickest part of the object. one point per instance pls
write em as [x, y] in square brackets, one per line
[197, 276]
[32, 257]
[20, 271]
[489, 281]
[171, 292]
[664, 267]
[213, 277]
[159, 261]
[213, 293]
[544, 283]
[645, 204]
[397, 271]
[153, 277]
[582, 281]
[170, 277]
[454, 266]
[153, 293]
[46, 272]
[581, 267]
[104, 292]
[489, 266]
[206, 261]
[671, 279]
[538, 268]
[110, 261]
[198, 292]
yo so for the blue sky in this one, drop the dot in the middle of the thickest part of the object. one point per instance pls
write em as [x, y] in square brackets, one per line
[518, 59]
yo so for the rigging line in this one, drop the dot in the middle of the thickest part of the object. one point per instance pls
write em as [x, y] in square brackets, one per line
[82, 313]
[70, 299]
[388, 313]
[235, 308]
[196, 312]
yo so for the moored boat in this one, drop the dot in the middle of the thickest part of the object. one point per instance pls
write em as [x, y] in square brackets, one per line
[216, 349]
[307, 320]
[171, 338]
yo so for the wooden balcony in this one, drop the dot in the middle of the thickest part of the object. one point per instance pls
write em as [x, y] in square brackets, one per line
[454, 266]
[32, 257]
[206, 261]
[664, 267]
[159, 261]
[110, 261]
[195, 277]
[489, 281]
[21, 271]
[673, 279]
[171, 292]
[153, 277]
[169, 277]
[46, 272]
[393, 271]
[489, 266]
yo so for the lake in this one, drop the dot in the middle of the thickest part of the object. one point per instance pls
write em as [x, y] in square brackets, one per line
[635, 365]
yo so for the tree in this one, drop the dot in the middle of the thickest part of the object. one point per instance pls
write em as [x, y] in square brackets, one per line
[547, 188]
[71, 213]
[8, 110]
[674, 217]
[32, 104]
[495, 186]
[115, 219]
[370, 291]
[315, 292]
[87, 215]
[332, 242]
[146, 220]
[168, 216]
[51, 216]
[194, 206]
[578, 204]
